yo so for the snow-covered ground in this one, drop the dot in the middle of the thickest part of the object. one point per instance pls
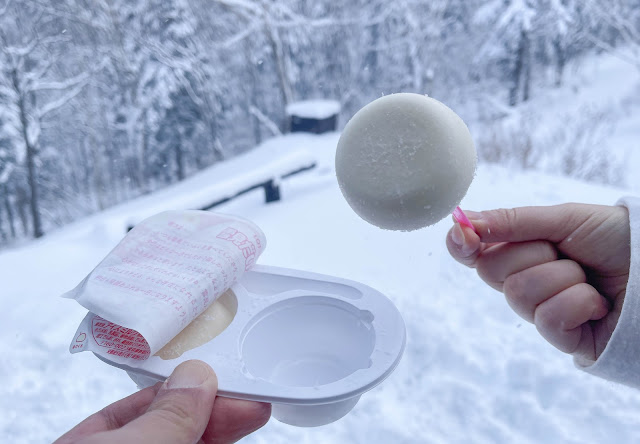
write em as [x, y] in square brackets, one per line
[473, 372]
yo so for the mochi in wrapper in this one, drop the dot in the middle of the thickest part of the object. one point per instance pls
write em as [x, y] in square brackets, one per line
[405, 161]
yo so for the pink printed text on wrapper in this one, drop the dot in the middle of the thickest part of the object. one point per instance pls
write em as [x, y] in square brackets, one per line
[159, 278]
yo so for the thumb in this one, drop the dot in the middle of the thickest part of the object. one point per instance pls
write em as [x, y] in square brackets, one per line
[180, 411]
[552, 223]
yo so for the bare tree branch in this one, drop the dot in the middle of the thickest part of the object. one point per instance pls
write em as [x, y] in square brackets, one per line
[62, 100]
[226, 44]
[64, 84]
[70, 16]
[5, 7]
[616, 52]
[267, 122]
[6, 173]
[618, 18]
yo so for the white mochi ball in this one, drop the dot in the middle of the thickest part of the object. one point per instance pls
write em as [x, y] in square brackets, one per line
[405, 161]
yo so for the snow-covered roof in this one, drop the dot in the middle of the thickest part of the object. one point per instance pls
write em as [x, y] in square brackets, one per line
[313, 109]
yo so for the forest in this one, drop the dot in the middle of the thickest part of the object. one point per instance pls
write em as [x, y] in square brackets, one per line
[105, 100]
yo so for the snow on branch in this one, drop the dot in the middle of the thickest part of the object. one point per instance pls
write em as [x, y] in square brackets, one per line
[74, 85]
[228, 43]
[267, 122]
[561, 11]
[164, 56]
[5, 91]
[619, 19]
[184, 81]
[249, 10]
[287, 12]
[623, 26]
[36, 42]
[4, 8]
[632, 60]
[62, 100]
[487, 13]
[290, 19]
[6, 173]
[40, 72]
[65, 84]
[20, 51]
[81, 15]
[517, 11]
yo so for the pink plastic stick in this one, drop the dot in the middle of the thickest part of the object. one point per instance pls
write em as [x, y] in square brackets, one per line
[462, 218]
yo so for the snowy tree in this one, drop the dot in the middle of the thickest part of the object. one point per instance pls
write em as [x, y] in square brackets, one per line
[559, 31]
[269, 18]
[510, 40]
[32, 89]
[103, 101]
[7, 167]
[425, 25]
[622, 18]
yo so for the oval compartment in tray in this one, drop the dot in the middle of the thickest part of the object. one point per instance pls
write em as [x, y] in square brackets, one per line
[307, 343]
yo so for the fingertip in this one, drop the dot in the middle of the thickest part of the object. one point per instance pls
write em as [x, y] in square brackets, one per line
[477, 222]
[191, 374]
[460, 217]
[457, 235]
[463, 244]
[602, 308]
[260, 415]
[233, 419]
[469, 241]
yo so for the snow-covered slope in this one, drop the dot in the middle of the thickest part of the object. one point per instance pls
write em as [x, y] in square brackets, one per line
[472, 371]
[587, 128]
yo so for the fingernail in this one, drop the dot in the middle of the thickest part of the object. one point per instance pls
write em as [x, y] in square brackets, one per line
[188, 375]
[460, 217]
[473, 215]
[457, 236]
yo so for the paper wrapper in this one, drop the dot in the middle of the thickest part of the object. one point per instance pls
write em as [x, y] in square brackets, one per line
[160, 277]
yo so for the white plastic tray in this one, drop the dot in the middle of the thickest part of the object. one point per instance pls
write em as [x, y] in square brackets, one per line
[307, 343]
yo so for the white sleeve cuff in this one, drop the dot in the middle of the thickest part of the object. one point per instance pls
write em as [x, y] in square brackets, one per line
[620, 360]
